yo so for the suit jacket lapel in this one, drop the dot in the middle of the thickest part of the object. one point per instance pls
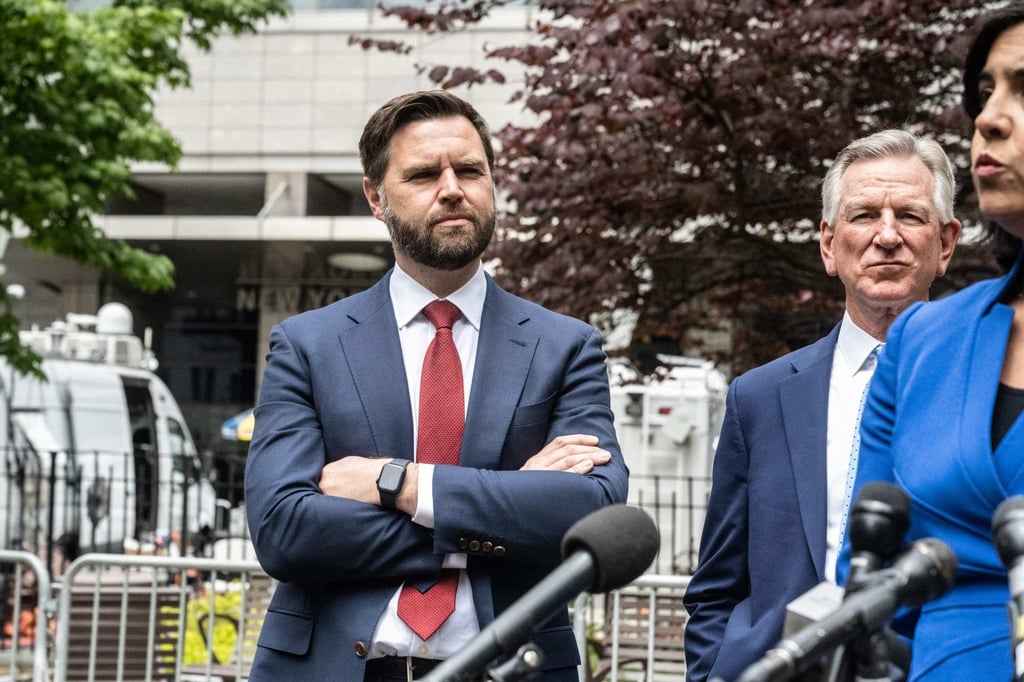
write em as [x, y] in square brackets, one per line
[993, 474]
[503, 358]
[996, 324]
[370, 343]
[804, 400]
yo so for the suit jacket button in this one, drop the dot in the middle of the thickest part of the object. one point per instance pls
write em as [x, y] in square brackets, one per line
[487, 546]
[361, 649]
[461, 544]
[499, 550]
[474, 546]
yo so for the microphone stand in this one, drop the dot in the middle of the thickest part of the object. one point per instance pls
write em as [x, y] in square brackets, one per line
[522, 666]
[865, 659]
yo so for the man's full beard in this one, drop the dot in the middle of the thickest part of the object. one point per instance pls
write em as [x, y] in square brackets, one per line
[421, 245]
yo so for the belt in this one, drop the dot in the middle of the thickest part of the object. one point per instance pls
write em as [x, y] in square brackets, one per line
[397, 668]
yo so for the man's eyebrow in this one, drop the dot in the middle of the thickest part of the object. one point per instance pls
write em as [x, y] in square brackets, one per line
[420, 167]
[860, 205]
[471, 161]
[897, 204]
[432, 166]
[914, 205]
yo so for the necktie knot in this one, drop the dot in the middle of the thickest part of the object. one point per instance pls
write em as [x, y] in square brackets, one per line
[442, 314]
[873, 356]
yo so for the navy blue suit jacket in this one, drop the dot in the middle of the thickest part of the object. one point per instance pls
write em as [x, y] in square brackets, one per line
[334, 386]
[763, 542]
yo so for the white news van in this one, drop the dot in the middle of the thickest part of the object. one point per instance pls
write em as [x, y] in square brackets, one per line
[668, 424]
[97, 456]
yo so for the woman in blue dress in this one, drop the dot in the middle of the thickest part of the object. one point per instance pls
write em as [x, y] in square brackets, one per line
[943, 416]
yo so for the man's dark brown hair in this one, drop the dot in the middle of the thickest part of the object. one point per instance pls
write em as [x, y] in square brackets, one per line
[416, 106]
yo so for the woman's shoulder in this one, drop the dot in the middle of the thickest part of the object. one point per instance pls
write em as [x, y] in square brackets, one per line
[976, 297]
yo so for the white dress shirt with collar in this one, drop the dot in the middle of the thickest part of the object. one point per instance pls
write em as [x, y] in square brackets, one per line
[408, 298]
[852, 366]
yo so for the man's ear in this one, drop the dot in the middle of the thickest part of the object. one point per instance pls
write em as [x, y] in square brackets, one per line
[825, 243]
[373, 198]
[948, 236]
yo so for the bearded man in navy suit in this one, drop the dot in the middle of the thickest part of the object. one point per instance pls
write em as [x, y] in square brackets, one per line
[340, 510]
[784, 466]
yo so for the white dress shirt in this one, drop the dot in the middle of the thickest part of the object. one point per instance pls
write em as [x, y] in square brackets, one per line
[408, 298]
[852, 366]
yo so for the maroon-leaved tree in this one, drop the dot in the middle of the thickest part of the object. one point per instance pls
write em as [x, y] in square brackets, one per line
[675, 168]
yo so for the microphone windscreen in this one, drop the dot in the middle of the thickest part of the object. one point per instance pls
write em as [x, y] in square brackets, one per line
[929, 567]
[887, 493]
[622, 541]
[879, 519]
[1008, 529]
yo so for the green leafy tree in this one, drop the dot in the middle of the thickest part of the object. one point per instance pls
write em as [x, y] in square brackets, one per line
[673, 162]
[76, 111]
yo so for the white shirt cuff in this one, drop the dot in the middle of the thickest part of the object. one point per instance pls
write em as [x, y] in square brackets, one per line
[425, 511]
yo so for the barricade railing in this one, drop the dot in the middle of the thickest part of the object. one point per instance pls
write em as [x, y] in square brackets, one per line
[128, 619]
[28, 623]
[114, 618]
[637, 627]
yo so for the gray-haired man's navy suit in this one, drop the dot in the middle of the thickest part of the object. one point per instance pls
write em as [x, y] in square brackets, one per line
[763, 543]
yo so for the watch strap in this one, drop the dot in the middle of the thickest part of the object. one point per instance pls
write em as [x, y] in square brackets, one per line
[389, 495]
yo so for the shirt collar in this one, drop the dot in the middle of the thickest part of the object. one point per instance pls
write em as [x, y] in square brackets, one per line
[409, 297]
[854, 345]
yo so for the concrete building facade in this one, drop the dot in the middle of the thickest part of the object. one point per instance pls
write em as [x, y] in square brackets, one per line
[264, 216]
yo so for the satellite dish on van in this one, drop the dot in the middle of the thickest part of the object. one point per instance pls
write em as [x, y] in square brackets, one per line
[114, 318]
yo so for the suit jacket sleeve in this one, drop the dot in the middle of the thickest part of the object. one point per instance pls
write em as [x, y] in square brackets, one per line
[721, 580]
[298, 532]
[528, 512]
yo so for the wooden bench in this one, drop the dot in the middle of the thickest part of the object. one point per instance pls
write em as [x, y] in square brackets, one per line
[127, 633]
[636, 647]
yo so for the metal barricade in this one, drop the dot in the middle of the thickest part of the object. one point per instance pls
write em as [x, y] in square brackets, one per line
[123, 617]
[639, 625]
[21, 616]
[128, 619]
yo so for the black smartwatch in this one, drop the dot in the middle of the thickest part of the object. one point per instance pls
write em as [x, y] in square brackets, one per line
[390, 480]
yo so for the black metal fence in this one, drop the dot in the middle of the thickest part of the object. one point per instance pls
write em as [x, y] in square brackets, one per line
[56, 506]
[678, 505]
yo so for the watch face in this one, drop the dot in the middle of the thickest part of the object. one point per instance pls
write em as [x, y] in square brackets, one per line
[391, 477]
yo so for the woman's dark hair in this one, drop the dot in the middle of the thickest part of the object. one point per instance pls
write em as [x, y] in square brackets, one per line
[1005, 246]
[991, 28]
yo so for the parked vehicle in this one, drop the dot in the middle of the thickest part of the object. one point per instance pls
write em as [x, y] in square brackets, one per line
[668, 424]
[97, 455]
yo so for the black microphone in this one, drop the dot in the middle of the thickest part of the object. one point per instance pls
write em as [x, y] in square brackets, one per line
[603, 551]
[920, 574]
[878, 522]
[879, 519]
[1008, 535]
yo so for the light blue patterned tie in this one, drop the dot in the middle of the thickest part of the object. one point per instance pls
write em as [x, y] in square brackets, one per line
[851, 469]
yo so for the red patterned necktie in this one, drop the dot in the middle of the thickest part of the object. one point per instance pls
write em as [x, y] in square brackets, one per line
[441, 422]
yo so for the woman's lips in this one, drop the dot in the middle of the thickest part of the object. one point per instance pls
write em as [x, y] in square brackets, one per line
[986, 166]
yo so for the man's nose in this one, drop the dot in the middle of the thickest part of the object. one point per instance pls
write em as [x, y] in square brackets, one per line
[450, 189]
[888, 234]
